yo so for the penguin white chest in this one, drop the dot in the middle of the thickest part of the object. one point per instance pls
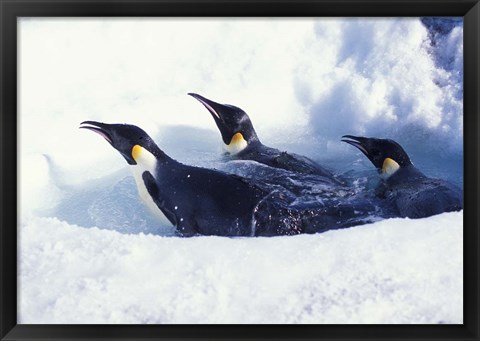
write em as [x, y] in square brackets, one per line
[146, 162]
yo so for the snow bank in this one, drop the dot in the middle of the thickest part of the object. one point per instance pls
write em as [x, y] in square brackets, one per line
[393, 271]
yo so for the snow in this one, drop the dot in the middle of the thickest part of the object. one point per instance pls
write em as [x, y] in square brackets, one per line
[393, 271]
[91, 252]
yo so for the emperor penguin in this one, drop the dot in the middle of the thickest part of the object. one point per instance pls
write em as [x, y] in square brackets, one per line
[200, 201]
[241, 142]
[411, 193]
[194, 200]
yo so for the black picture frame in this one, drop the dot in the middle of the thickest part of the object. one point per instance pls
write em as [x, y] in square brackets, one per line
[10, 10]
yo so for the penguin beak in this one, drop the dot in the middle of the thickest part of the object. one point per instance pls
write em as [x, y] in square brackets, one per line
[213, 107]
[369, 147]
[99, 128]
[110, 132]
[358, 142]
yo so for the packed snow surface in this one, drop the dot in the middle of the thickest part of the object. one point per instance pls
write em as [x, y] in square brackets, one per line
[90, 252]
[393, 271]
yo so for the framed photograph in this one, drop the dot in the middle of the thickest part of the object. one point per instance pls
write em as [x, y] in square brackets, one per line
[243, 170]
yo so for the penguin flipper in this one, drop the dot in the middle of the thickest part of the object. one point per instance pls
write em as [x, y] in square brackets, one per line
[154, 192]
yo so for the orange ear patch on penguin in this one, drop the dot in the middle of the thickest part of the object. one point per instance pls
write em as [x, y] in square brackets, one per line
[389, 167]
[237, 144]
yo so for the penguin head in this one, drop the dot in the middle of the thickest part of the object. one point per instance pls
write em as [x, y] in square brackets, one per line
[385, 154]
[234, 124]
[130, 141]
